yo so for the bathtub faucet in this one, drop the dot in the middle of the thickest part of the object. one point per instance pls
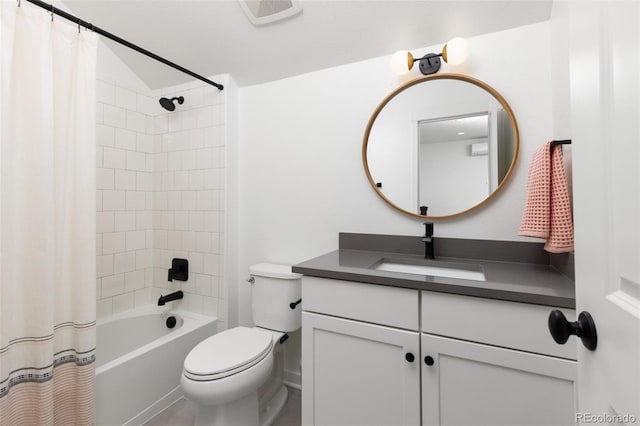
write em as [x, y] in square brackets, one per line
[169, 297]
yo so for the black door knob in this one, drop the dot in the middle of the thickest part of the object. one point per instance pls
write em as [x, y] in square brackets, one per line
[428, 360]
[409, 357]
[584, 328]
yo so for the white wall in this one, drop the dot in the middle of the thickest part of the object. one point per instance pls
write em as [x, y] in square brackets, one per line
[301, 179]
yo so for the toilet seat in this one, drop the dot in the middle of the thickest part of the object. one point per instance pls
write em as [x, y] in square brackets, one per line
[228, 353]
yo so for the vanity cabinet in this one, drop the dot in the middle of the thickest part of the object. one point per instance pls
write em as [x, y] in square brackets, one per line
[380, 355]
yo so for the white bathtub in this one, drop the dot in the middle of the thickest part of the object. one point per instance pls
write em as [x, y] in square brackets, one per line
[139, 361]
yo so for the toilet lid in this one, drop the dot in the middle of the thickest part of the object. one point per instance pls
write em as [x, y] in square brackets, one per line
[227, 353]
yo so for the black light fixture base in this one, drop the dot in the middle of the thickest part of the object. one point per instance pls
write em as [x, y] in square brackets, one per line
[430, 63]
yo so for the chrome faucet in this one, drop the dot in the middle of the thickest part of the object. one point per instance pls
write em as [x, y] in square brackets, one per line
[429, 240]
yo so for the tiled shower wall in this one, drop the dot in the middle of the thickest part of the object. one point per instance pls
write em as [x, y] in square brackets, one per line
[160, 195]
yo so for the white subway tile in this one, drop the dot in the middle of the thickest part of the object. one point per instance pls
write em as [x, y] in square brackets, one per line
[205, 158]
[181, 221]
[98, 246]
[126, 98]
[99, 113]
[212, 221]
[174, 240]
[99, 156]
[113, 242]
[104, 222]
[174, 161]
[189, 200]
[112, 285]
[196, 179]
[98, 200]
[181, 180]
[156, 181]
[160, 124]
[204, 116]
[145, 143]
[196, 221]
[114, 158]
[160, 162]
[105, 92]
[148, 200]
[148, 105]
[144, 220]
[160, 239]
[196, 262]
[168, 181]
[125, 221]
[124, 262]
[217, 115]
[210, 306]
[196, 136]
[174, 200]
[204, 285]
[189, 119]
[144, 259]
[104, 308]
[123, 303]
[214, 136]
[136, 121]
[168, 220]
[113, 200]
[213, 179]
[136, 240]
[125, 179]
[216, 243]
[203, 242]
[135, 200]
[188, 240]
[174, 121]
[125, 139]
[104, 178]
[142, 297]
[105, 135]
[217, 157]
[159, 200]
[104, 265]
[136, 161]
[205, 200]
[189, 160]
[144, 181]
[134, 280]
[114, 116]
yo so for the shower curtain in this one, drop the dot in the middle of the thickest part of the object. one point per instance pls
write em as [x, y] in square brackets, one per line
[47, 218]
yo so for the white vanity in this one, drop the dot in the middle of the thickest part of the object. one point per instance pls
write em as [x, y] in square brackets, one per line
[404, 354]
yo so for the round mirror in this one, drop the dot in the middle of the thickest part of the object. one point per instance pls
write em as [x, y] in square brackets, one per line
[440, 146]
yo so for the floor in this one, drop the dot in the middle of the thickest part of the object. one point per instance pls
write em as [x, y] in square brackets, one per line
[183, 413]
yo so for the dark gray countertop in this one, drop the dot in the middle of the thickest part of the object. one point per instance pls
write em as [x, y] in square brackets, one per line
[535, 283]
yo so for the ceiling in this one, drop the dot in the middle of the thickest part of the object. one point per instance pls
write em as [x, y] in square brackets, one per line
[215, 37]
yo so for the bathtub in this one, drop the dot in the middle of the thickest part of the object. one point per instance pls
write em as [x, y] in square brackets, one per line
[139, 361]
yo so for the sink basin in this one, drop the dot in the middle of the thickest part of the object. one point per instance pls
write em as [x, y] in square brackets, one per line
[465, 272]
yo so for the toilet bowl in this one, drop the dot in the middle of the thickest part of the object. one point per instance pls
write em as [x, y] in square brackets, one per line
[235, 377]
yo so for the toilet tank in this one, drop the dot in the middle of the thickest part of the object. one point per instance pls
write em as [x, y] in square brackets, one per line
[274, 288]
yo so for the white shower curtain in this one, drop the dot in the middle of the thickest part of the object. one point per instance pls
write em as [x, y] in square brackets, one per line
[47, 219]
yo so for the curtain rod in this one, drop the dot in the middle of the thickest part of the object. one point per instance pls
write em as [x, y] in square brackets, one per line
[90, 26]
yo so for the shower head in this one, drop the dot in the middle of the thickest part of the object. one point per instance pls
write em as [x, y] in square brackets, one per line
[168, 103]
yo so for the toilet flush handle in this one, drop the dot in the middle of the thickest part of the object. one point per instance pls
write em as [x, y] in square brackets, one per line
[251, 280]
[293, 305]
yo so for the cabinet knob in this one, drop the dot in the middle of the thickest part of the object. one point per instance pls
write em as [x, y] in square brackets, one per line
[409, 357]
[428, 360]
[584, 328]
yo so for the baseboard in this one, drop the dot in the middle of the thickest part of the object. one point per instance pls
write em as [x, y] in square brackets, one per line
[292, 379]
[156, 408]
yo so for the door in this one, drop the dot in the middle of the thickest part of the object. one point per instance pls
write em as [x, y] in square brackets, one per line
[355, 373]
[465, 383]
[605, 116]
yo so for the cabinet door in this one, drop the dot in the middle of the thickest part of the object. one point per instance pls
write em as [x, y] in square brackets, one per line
[474, 384]
[355, 373]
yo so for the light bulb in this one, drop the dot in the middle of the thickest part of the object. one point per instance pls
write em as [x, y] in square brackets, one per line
[455, 51]
[401, 62]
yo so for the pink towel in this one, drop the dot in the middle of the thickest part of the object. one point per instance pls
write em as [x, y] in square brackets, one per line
[547, 213]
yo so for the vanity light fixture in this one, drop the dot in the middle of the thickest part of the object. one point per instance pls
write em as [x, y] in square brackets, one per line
[454, 52]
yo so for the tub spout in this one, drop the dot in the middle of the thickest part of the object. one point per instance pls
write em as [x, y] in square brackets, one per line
[169, 297]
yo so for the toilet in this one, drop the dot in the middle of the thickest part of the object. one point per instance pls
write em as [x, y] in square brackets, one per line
[236, 377]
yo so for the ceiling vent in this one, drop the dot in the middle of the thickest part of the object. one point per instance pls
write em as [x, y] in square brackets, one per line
[262, 12]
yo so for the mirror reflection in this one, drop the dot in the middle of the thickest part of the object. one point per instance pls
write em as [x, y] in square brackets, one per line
[440, 145]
